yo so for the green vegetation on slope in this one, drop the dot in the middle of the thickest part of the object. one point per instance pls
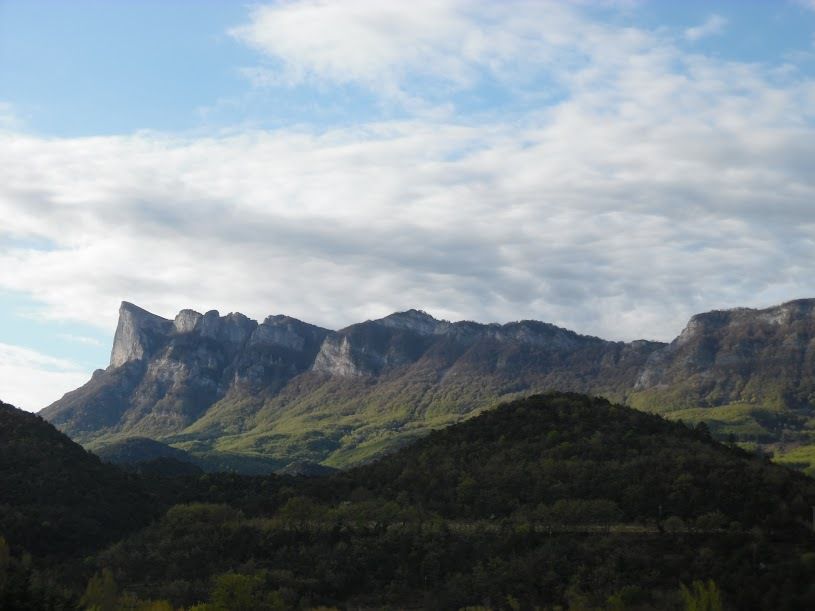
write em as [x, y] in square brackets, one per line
[286, 391]
[243, 395]
[785, 434]
[343, 421]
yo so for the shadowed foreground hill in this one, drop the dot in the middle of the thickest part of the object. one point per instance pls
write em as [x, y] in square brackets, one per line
[57, 499]
[557, 499]
[550, 448]
[139, 449]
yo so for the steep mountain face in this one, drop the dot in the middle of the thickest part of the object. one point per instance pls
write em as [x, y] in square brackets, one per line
[738, 355]
[164, 374]
[293, 391]
[288, 391]
[752, 371]
[380, 384]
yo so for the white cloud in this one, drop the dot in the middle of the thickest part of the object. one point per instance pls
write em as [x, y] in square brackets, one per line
[713, 25]
[365, 41]
[408, 49]
[80, 339]
[31, 380]
[661, 185]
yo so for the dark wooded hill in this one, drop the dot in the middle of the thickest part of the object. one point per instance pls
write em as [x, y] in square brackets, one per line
[56, 498]
[557, 499]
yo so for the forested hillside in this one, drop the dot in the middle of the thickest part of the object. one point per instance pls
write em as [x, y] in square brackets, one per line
[57, 499]
[557, 500]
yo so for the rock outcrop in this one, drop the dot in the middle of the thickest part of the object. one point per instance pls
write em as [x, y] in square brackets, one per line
[164, 374]
[137, 335]
[761, 357]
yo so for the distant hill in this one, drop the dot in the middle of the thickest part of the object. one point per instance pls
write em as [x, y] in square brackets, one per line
[133, 450]
[227, 389]
[143, 454]
[747, 372]
[164, 467]
[306, 469]
[57, 499]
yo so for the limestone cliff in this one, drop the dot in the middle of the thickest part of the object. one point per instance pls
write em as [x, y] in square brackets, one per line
[746, 356]
[163, 374]
[137, 335]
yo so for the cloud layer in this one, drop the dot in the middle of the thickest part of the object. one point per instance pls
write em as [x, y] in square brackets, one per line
[713, 25]
[31, 379]
[635, 182]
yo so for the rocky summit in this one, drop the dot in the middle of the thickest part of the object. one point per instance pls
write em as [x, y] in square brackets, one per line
[289, 391]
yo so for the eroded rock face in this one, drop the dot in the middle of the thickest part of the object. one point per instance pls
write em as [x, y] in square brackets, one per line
[164, 374]
[375, 346]
[279, 331]
[179, 369]
[278, 349]
[186, 321]
[138, 334]
[336, 357]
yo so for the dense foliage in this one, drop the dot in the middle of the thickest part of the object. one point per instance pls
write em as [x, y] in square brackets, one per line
[555, 500]
[56, 499]
[527, 457]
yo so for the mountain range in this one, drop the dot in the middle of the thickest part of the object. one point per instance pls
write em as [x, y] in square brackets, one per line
[258, 396]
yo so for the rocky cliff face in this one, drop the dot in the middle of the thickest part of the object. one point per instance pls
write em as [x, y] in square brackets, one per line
[295, 391]
[164, 374]
[760, 357]
[137, 334]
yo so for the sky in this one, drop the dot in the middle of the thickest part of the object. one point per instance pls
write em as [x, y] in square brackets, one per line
[612, 167]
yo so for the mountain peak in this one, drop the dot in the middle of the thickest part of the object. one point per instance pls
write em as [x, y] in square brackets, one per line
[745, 356]
[136, 333]
[186, 320]
[414, 320]
[134, 310]
[781, 314]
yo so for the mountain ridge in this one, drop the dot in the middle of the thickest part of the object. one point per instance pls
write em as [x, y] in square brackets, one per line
[298, 392]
